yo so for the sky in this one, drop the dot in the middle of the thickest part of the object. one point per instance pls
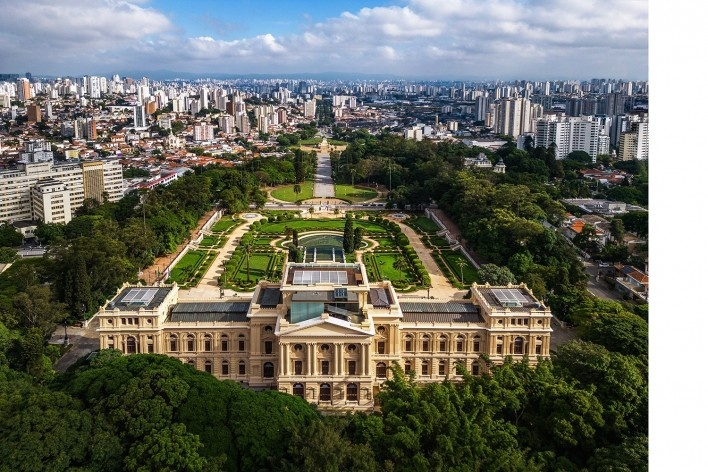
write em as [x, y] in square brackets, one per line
[428, 39]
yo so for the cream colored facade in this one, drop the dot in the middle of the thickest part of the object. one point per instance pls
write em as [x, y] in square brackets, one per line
[82, 180]
[326, 334]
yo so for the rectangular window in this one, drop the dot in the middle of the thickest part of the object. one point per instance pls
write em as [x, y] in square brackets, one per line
[242, 369]
[475, 369]
[122, 321]
[381, 347]
[269, 347]
[460, 345]
[225, 368]
[443, 345]
[173, 344]
[207, 367]
[526, 321]
[409, 345]
[499, 348]
[298, 367]
[136, 321]
[441, 369]
[207, 344]
[325, 367]
[538, 349]
[224, 344]
[151, 348]
[513, 321]
[424, 369]
[407, 368]
[241, 345]
[351, 367]
[475, 346]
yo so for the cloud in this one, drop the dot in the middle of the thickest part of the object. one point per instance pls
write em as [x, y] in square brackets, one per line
[458, 38]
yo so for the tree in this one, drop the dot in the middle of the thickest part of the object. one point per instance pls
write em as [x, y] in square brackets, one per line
[617, 230]
[495, 275]
[311, 210]
[9, 237]
[297, 189]
[399, 264]
[358, 238]
[248, 249]
[169, 448]
[348, 238]
[622, 332]
[7, 255]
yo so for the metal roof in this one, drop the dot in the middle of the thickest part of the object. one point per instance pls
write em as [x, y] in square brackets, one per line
[210, 312]
[438, 307]
[379, 297]
[269, 297]
[133, 298]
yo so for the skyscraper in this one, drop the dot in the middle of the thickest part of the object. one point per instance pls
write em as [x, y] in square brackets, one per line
[139, 117]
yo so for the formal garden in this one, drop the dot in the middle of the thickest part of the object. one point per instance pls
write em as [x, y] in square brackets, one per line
[263, 250]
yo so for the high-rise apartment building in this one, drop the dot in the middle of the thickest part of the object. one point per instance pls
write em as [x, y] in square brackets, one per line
[79, 181]
[571, 134]
[203, 132]
[139, 117]
[24, 89]
[310, 108]
[516, 116]
[634, 144]
[34, 113]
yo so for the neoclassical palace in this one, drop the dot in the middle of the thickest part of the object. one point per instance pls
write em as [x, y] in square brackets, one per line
[326, 334]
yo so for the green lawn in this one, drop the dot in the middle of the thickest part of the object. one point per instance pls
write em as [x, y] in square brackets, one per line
[453, 259]
[191, 268]
[424, 224]
[311, 141]
[287, 192]
[354, 194]
[209, 241]
[381, 266]
[317, 225]
[225, 225]
[260, 265]
[386, 242]
[439, 241]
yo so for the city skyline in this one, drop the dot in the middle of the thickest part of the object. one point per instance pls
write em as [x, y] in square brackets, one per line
[421, 39]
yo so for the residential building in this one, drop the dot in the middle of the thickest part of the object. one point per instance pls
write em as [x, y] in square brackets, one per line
[571, 134]
[327, 334]
[203, 131]
[80, 180]
[34, 114]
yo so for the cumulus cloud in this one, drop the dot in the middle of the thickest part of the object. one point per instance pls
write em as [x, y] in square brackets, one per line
[461, 38]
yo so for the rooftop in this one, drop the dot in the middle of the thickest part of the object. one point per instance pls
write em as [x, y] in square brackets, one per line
[210, 312]
[133, 298]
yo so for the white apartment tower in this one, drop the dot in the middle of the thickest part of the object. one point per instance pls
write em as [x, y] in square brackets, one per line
[572, 134]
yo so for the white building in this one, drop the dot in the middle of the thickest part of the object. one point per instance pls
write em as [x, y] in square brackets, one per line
[91, 179]
[571, 134]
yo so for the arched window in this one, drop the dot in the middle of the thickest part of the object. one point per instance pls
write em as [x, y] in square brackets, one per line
[131, 345]
[224, 367]
[381, 330]
[475, 343]
[190, 362]
[442, 341]
[381, 370]
[352, 348]
[268, 370]
[207, 367]
[299, 390]
[325, 393]
[441, 368]
[519, 345]
[150, 344]
[297, 348]
[426, 342]
[241, 368]
[324, 348]
[173, 343]
[190, 343]
[460, 344]
[207, 343]
[241, 342]
[352, 392]
[224, 342]
[539, 345]
[268, 329]
[425, 368]
[408, 343]
[475, 368]
[407, 367]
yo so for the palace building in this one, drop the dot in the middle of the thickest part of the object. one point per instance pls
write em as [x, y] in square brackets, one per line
[328, 335]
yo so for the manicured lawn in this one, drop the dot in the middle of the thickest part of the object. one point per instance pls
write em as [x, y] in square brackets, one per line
[354, 194]
[424, 224]
[287, 192]
[209, 241]
[225, 225]
[381, 266]
[316, 225]
[262, 266]
[191, 268]
[439, 241]
[262, 241]
[386, 242]
[453, 259]
[311, 141]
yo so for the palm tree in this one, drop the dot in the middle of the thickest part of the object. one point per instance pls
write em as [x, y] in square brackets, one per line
[248, 248]
[312, 211]
[399, 264]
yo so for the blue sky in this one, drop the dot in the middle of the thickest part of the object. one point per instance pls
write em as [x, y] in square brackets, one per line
[436, 39]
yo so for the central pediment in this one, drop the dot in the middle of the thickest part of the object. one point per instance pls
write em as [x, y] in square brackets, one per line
[322, 327]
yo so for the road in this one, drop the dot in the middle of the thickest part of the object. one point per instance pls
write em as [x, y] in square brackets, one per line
[598, 287]
[324, 185]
